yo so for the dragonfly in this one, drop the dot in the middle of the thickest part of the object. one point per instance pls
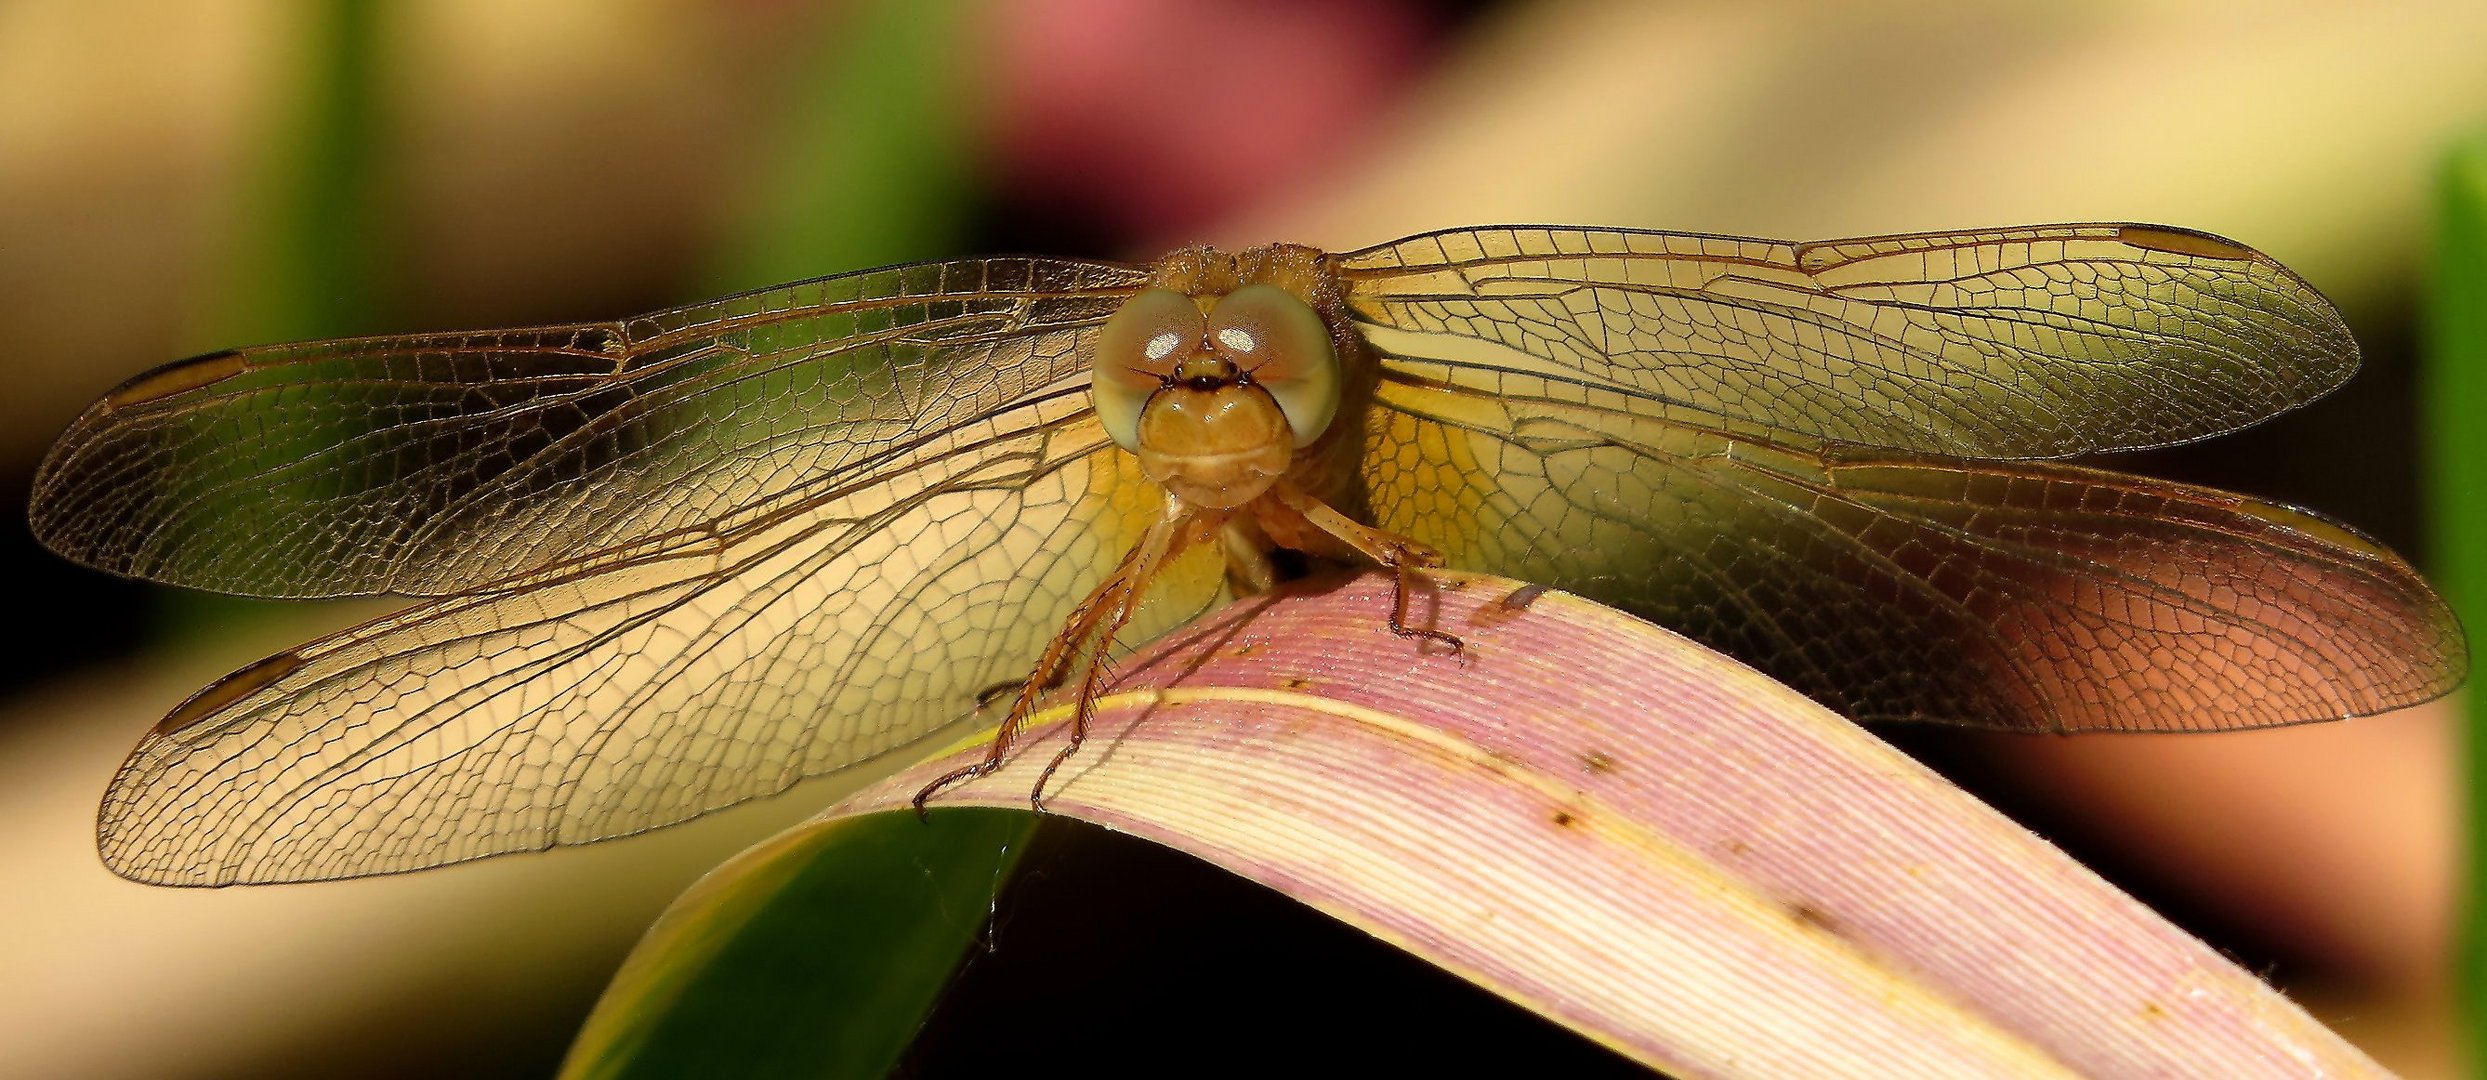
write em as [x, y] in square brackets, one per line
[668, 564]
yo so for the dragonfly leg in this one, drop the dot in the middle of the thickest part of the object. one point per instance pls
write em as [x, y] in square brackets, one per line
[1172, 533]
[1046, 676]
[1404, 575]
[1100, 615]
[1402, 556]
[1008, 689]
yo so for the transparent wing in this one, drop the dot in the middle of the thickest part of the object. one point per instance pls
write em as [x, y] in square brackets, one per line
[2008, 343]
[2022, 595]
[431, 464]
[647, 686]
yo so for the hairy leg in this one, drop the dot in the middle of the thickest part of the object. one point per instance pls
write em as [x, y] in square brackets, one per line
[1403, 556]
[1099, 616]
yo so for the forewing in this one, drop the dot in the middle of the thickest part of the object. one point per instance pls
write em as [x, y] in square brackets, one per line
[2009, 343]
[2021, 595]
[696, 671]
[431, 464]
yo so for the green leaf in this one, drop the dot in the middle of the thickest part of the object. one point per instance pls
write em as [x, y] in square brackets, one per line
[817, 953]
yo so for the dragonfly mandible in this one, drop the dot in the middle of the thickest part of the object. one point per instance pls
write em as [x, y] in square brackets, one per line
[672, 563]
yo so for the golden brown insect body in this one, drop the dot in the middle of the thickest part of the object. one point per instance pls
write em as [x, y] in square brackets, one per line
[1223, 379]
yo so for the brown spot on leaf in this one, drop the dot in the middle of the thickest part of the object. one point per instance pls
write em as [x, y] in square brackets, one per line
[1808, 915]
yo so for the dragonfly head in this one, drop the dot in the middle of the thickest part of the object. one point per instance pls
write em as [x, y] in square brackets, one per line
[1215, 395]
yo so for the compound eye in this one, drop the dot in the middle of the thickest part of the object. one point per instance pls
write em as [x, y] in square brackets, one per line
[1282, 343]
[1136, 353]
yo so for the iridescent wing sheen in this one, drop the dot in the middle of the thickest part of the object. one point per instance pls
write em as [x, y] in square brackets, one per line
[432, 464]
[696, 565]
[1770, 448]
[2009, 343]
[585, 702]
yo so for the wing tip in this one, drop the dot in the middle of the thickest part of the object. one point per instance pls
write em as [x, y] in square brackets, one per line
[130, 870]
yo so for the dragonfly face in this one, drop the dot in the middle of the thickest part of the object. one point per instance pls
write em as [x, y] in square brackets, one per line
[1226, 369]
[1215, 403]
[671, 563]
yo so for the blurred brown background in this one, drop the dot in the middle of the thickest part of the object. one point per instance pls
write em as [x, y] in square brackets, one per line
[559, 160]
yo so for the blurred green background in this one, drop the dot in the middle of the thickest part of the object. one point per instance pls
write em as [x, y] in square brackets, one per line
[204, 173]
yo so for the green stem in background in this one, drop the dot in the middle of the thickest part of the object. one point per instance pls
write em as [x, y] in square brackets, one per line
[2455, 396]
[831, 966]
[869, 163]
[310, 252]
